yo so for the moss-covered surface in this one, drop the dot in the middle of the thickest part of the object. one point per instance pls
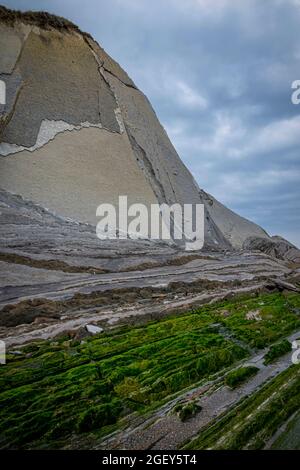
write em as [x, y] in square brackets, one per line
[277, 350]
[55, 391]
[238, 376]
[186, 411]
[289, 437]
[278, 316]
[254, 421]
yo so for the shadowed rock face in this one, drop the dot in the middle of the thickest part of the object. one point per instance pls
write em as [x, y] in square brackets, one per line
[76, 132]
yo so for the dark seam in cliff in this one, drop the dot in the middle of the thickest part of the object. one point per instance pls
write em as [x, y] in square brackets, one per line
[147, 168]
[118, 78]
[100, 63]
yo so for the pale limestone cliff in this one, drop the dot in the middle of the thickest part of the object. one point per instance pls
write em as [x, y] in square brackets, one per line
[75, 131]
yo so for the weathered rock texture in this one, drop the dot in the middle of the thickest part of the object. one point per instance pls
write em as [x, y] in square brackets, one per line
[76, 132]
[275, 246]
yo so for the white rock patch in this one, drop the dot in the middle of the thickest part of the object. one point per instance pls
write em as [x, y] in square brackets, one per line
[93, 329]
[48, 130]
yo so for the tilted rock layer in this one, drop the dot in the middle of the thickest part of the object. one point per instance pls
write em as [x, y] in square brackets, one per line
[76, 132]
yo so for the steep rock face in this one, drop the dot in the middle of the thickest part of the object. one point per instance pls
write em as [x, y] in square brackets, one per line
[76, 132]
[235, 228]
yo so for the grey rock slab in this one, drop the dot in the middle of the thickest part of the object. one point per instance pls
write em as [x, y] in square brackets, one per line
[61, 82]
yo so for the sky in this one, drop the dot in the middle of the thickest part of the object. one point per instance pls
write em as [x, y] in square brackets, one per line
[218, 74]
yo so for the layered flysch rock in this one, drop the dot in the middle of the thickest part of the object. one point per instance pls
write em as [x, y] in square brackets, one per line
[76, 131]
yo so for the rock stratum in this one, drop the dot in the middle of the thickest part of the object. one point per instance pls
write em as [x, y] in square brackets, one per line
[75, 132]
[126, 344]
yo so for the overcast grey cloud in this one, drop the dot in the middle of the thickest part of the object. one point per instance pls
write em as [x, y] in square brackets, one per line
[219, 75]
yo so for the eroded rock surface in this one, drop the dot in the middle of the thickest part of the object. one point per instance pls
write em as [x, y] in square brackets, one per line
[76, 132]
[275, 246]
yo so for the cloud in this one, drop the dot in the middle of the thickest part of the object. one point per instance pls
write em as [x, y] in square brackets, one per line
[235, 141]
[188, 97]
[278, 135]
